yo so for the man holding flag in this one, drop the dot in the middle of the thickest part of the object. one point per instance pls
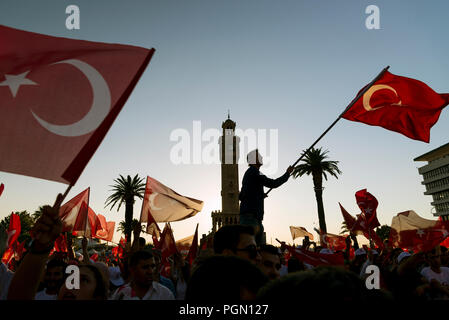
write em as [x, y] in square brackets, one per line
[252, 194]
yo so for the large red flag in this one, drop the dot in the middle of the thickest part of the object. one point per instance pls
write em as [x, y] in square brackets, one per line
[166, 205]
[74, 213]
[58, 99]
[400, 104]
[193, 251]
[368, 204]
[410, 231]
[14, 230]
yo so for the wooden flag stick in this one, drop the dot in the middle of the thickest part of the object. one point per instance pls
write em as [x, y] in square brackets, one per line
[66, 192]
[339, 117]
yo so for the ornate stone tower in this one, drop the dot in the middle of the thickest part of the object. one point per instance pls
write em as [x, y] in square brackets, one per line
[229, 157]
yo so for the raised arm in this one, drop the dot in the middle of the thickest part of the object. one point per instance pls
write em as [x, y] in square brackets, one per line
[25, 282]
[274, 183]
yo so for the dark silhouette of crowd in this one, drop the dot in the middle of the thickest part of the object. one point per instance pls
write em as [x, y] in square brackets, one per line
[235, 269]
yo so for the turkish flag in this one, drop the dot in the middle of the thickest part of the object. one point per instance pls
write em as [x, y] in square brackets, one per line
[2, 187]
[19, 250]
[14, 230]
[193, 251]
[7, 256]
[358, 226]
[92, 225]
[368, 204]
[167, 245]
[74, 213]
[58, 99]
[316, 259]
[61, 243]
[400, 104]
[166, 205]
[106, 230]
[409, 230]
[300, 232]
[152, 227]
[350, 221]
[333, 241]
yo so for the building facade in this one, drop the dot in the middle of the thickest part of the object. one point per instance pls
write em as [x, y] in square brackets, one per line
[436, 179]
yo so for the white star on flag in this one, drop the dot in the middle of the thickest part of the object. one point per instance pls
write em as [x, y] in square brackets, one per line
[420, 232]
[368, 210]
[15, 81]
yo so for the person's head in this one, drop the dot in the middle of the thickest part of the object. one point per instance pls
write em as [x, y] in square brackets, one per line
[403, 256]
[271, 261]
[54, 275]
[237, 240]
[295, 265]
[142, 243]
[224, 278]
[360, 255]
[254, 158]
[141, 267]
[93, 285]
[433, 258]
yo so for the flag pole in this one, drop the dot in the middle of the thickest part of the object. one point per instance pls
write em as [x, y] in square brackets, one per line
[339, 117]
[66, 192]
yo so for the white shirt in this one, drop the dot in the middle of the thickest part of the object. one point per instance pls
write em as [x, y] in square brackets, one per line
[42, 295]
[442, 277]
[5, 279]
[156, 292]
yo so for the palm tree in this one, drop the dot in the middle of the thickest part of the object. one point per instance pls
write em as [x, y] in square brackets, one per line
[124, 191]
[122, 225]
[315, 163]
[344, 228]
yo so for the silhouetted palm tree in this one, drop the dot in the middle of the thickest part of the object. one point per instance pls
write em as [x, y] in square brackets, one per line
[124, 191]
[315, 163]
[121, 225]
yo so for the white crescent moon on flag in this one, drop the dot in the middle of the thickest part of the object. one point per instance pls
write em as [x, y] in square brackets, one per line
[101, 104]
[151, 200]
[369, 93]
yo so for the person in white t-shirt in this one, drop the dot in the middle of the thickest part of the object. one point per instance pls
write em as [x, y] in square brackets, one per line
[142, 286]
[435, 271]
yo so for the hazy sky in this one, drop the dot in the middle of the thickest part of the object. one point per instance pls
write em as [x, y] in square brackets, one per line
[292, 66]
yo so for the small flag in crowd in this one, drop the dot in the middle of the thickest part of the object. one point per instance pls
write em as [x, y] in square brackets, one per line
[368, 204]
[74, 212]
[166, 205]
[412, 232]
[300, 232]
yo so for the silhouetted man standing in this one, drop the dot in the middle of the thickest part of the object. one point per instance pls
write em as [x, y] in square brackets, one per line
[252, 194]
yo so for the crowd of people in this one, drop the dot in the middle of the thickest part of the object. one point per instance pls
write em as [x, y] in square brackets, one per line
[235, 269]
